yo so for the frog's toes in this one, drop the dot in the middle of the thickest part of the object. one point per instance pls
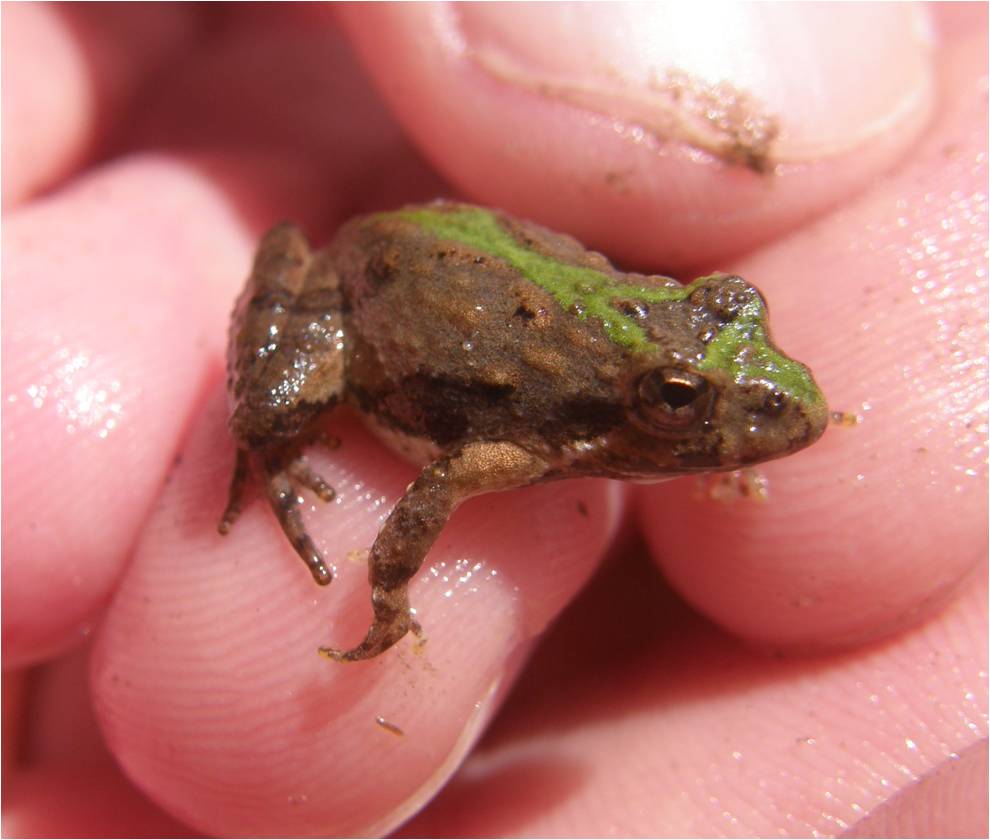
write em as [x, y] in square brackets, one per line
[284, 499]
[392, 621]
[235, 497]
[301, 472]
[379, 639]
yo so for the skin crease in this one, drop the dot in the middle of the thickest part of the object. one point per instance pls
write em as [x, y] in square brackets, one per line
[747, 744]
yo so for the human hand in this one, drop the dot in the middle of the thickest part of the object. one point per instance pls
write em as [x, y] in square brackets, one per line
[870, 244]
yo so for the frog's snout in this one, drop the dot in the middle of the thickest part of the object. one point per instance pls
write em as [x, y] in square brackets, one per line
[768, 423]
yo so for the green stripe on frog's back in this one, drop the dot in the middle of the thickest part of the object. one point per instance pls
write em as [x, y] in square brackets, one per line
[742, 348]
[579, 289]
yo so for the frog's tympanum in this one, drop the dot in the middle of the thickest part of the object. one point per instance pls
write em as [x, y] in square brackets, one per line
[501, 354]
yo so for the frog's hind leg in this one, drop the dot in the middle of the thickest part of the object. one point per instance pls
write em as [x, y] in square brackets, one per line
[397, 554]
[416, 521]
[282, 475]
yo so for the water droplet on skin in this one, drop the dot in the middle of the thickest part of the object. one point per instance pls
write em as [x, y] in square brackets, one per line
[69, 385]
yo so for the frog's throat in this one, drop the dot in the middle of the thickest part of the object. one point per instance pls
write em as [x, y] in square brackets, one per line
[742, 348]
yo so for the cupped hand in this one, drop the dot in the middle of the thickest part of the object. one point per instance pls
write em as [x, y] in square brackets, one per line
[818, 662]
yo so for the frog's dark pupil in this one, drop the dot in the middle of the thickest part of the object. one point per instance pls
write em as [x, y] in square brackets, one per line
[678, 394]
[670, 389]
[672, 399]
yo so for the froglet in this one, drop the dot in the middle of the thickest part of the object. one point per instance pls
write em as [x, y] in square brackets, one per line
[498, 354]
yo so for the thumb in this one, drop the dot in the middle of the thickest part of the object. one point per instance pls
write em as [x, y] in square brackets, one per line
[611, 121]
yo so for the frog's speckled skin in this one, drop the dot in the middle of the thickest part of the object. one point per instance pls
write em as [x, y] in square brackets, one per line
[507, 352]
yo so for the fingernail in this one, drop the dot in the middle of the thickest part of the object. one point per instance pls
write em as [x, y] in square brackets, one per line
[752, 84]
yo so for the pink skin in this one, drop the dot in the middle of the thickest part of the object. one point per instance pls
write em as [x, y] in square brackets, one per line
[636, 716]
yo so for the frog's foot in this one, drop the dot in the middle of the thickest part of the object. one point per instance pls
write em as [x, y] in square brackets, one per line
[414, 524]
[392, 621]
[235, 497]
[283, 496]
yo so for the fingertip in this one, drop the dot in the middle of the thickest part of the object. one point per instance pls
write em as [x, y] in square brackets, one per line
[879, 525]
[69, 73]
[96, 387]
[81, 802]
[714, 81]
[206, 674]
[645, 128]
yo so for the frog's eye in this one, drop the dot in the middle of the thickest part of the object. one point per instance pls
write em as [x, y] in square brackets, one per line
[673, 399]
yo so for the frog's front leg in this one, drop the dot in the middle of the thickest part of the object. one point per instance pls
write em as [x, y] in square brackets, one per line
[416, 521]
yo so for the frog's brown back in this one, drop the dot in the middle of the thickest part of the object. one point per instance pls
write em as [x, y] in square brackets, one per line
[452, 344]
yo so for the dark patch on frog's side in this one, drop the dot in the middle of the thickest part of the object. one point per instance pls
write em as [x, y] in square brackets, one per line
[588, 418]
[435, 407]
[448, 412]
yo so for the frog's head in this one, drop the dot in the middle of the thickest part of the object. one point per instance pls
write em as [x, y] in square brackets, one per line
[709, 390]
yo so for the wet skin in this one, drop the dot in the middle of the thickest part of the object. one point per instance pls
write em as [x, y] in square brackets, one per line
[499, 354]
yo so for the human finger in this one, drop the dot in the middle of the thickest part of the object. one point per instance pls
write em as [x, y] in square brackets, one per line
[69, 75]
[117, 295]
[877, 525]
[206, 675]
[105, 328]
[637, 717]
[61, 755]
[656, 132]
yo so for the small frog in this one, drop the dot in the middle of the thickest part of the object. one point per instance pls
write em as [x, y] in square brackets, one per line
[498, 354]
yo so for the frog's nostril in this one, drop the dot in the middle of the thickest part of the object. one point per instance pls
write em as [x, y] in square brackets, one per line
[775, 404]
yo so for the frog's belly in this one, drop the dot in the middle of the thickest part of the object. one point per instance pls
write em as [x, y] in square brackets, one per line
[417, 450]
